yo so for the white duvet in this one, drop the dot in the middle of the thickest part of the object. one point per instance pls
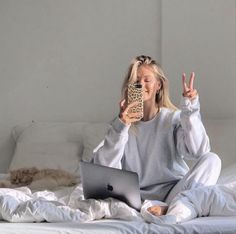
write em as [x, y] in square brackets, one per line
[67, 204]
[63, 205]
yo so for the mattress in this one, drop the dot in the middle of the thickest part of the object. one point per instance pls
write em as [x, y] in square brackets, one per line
[200, 225]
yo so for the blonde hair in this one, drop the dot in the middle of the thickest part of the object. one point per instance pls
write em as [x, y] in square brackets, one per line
[162, 97]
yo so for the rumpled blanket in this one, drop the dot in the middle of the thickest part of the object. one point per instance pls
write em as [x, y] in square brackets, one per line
[67, 205]
[63, 205]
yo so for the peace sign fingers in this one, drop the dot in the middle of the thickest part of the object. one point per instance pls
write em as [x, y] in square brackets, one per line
[188, 90]
[191, 80]
[185, 87]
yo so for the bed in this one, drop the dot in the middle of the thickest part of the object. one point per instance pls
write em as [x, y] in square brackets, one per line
[200, 225]
[63, 145]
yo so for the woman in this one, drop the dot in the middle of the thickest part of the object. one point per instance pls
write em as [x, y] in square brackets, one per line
[156, 145]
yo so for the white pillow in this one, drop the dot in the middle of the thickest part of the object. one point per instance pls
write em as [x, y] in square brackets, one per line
[48, 145]
[93, 134]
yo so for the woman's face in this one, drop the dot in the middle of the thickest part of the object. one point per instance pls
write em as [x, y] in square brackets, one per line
[150, 83]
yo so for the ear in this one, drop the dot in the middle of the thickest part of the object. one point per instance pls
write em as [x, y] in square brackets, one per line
[158, 88]
[159, 85]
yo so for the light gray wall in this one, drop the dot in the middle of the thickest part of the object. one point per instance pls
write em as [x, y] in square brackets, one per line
[200, 36]
[64, 60]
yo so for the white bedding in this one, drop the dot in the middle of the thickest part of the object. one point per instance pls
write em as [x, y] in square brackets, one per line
[63, 205]
[67, 205]
[22, 208]
[210, 225]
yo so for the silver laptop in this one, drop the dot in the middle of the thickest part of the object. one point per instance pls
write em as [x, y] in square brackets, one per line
[100, 182]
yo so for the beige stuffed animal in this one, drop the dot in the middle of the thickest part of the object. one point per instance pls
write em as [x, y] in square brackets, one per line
[39, 179]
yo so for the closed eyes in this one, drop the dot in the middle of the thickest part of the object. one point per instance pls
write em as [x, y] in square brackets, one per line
[147, 79]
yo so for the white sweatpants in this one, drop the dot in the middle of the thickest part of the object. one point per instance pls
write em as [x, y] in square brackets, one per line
[204, 172]
[215, 200]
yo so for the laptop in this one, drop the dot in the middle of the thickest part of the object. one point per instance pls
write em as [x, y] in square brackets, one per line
[100, 182]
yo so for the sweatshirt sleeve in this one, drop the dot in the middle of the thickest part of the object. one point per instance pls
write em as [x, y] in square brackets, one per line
[111, 150]
[191, 138]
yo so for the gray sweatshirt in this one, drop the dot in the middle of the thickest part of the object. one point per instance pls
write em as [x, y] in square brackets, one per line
[155, 149]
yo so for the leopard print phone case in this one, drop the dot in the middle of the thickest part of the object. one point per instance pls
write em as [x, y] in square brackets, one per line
[135, 93]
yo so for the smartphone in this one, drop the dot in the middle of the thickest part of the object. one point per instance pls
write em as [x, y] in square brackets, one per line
[135, 93]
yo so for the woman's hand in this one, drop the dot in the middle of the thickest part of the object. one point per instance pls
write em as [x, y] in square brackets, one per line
[188, 90]
[126, 116]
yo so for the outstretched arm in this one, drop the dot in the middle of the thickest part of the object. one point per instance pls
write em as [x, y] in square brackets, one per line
[191, 138]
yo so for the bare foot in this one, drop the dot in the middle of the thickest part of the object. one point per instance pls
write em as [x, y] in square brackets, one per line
[157, 210]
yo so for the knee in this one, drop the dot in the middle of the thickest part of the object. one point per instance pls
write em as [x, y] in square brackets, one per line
[213, 160]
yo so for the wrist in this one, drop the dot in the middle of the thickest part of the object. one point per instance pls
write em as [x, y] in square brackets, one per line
[123, 121]
[120, 126]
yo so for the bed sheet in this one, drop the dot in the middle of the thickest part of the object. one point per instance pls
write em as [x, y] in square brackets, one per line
[224, 225]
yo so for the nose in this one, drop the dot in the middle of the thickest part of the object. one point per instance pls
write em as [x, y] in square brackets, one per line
[141, 81]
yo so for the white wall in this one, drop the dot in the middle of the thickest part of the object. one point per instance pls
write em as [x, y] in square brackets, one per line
[64, 60]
